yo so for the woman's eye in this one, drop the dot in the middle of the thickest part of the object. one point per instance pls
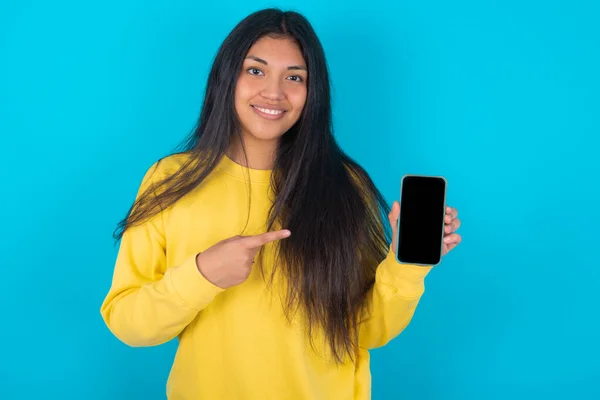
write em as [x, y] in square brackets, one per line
[296, 78]
[254, 71]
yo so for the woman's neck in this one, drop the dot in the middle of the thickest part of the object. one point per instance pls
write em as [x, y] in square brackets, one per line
[259, 154]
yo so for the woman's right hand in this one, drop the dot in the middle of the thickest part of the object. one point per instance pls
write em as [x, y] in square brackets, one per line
[229, 262]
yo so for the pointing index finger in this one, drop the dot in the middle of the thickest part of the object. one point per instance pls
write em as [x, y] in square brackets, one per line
[265, 238]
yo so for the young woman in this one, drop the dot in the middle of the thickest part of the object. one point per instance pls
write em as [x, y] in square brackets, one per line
[261, 246]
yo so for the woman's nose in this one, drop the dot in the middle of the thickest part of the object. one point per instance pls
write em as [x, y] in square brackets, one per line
[273, 90]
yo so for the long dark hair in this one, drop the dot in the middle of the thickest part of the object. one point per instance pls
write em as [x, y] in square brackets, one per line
[328, 202]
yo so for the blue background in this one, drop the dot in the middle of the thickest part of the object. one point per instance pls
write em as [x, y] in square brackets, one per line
[501, 97]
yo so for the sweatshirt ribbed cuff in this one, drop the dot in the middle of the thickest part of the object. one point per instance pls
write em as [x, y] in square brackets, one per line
[405, 280]
[193, 288]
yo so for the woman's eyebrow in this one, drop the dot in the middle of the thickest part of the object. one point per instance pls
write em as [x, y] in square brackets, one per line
[291, 67]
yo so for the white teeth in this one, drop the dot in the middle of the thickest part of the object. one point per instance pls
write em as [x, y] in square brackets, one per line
[268, 111]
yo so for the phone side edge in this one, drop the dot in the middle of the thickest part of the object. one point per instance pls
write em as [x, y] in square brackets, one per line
[443, 217]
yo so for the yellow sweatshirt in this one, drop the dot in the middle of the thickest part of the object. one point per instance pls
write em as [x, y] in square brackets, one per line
[237, 343]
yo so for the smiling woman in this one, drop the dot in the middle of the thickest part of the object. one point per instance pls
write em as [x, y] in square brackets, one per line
[262, 246]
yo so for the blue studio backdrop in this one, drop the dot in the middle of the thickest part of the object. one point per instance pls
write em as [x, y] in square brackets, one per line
[499, 97]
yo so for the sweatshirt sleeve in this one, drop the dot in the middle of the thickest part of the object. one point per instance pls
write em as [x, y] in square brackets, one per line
[392, 302]
[149, 302]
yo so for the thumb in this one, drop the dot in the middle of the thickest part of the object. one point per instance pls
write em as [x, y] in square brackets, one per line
[393, 217]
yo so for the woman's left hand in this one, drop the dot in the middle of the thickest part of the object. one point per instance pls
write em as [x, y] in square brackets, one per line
[451, 225]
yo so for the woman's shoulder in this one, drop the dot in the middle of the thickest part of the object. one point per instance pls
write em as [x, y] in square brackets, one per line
[357, 173]
[167, 166]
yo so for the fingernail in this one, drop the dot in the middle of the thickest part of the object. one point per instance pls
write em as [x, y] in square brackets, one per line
[447, 239]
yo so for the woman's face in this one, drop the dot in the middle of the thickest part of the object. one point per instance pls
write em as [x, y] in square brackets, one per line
[271, 89]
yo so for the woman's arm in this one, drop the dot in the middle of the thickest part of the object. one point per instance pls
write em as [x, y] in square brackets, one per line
[394, 297]
[392, 301]
[150, 302]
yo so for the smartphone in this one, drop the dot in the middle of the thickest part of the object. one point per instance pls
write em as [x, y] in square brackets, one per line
[421, 222]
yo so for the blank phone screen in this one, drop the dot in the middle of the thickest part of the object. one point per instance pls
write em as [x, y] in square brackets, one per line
[421, 224]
